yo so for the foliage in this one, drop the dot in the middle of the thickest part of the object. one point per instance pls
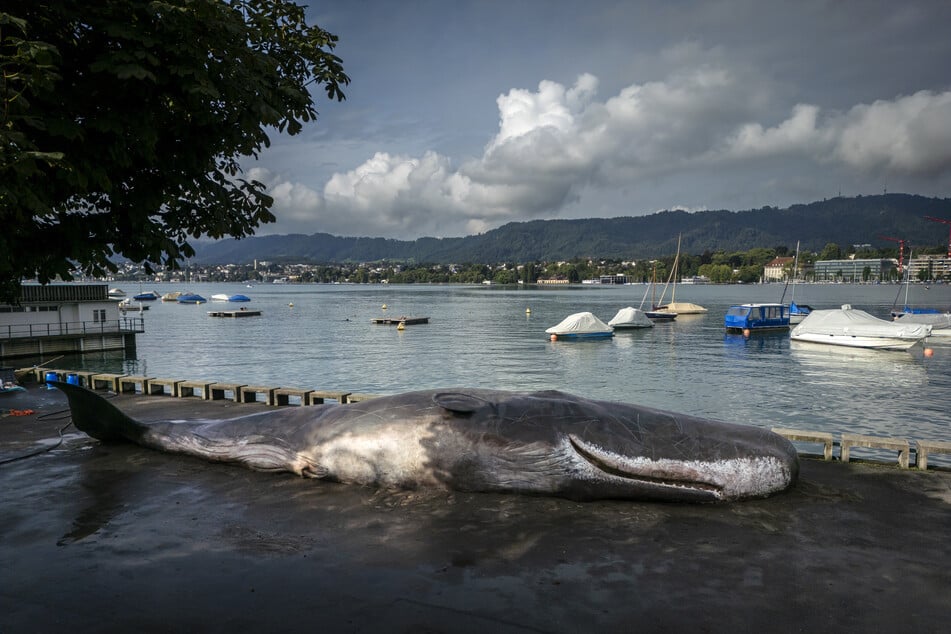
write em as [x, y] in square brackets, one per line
[122, 125]
[717, 235]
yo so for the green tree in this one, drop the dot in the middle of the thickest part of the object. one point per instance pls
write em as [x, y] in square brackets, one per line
[830, 251]
[122, 125]
[718, 273]
[505, 276]
[749, 274]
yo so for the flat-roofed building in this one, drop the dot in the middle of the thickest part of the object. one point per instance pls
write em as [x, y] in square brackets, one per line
[934, 266]
[65, 318]
[855, 270]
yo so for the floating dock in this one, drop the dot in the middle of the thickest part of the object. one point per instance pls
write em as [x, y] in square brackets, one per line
[234, 313]
[395, 321]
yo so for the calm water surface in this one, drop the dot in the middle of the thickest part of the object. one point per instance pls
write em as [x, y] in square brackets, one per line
[320, 336]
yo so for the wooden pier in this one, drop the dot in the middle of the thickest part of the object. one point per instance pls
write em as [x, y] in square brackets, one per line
[281, 396]
[395, 321]
[234, 313]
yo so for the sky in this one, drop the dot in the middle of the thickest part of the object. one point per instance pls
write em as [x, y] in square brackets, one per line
[462, 115]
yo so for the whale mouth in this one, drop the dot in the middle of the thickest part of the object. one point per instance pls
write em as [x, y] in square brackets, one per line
[619, 467]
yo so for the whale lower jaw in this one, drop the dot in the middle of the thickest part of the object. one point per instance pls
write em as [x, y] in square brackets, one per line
[719, 480]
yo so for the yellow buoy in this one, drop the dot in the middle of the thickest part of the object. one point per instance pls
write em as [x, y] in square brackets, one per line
[528, 311]
[401, 326]
[291, 304]
[383, 306]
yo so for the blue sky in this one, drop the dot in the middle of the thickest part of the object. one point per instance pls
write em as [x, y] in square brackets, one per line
[463, 116]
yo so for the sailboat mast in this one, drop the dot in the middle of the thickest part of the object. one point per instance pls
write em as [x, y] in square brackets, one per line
[653, 286]
[795, 274]
[673, 293]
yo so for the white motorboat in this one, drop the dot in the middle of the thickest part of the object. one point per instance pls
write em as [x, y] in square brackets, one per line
[847, 326]
[940, 323]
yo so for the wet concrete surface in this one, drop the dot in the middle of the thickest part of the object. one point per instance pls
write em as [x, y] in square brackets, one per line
[119, 538]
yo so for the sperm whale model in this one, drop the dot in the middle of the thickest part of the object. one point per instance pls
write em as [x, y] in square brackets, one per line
[544, 443]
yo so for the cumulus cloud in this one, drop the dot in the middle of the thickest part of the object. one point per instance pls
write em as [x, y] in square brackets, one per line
[798, 133]
[907, 135]
[911, 134]
[557, 142]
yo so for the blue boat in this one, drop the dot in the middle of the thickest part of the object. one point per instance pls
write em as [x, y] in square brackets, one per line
[798, 312]
[910, 310]
[745, 318]
[146, 297]
[239, 298]
[191, 298]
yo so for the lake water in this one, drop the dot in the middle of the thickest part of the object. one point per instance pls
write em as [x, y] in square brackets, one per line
[320, 337]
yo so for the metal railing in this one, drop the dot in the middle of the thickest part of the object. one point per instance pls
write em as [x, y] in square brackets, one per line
[123, 325]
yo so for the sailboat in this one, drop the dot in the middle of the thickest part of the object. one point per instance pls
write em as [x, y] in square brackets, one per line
[654, 315]
[906, 309]
[681, 308]
[797, 312]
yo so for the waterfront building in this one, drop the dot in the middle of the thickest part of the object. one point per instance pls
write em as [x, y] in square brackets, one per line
[855, 270]
[65, 318]
[934, 266]
[778, 269]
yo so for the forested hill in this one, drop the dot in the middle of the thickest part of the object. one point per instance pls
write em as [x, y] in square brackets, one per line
[844, 221]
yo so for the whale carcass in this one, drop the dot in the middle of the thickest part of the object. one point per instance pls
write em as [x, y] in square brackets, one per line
[544, 443]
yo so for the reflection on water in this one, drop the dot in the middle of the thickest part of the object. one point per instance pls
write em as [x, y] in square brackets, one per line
[858, 367]
[483, 337]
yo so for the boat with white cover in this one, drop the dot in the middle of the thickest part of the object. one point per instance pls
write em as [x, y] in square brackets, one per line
[631, 318]
[940, 323]
[581, 326]
[855, 328]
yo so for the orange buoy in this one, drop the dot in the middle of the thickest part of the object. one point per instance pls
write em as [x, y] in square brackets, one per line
[554, 337]
[746, 332]
[929, 352]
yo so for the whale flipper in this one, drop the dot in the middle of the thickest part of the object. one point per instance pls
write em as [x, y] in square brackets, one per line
[98, 417]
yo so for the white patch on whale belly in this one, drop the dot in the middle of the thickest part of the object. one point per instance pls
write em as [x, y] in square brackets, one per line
[398, 459]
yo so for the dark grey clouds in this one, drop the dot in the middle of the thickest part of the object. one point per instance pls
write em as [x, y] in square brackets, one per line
[465, 115]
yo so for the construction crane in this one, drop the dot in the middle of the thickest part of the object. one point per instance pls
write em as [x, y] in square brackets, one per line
[901, 252]
[947, 222]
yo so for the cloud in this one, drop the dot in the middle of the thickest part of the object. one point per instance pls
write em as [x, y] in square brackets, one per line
[908, 135]
[796, 134]
[556, 144]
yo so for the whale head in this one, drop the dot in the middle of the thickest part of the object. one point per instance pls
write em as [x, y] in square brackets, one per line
[559, 444]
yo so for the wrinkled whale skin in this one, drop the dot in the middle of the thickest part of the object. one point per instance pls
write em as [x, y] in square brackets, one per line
[544, 443]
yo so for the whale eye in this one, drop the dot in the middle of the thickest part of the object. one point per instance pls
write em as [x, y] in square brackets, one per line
[458, 402]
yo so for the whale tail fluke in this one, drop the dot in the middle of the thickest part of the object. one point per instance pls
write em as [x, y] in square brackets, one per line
[97, 416]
